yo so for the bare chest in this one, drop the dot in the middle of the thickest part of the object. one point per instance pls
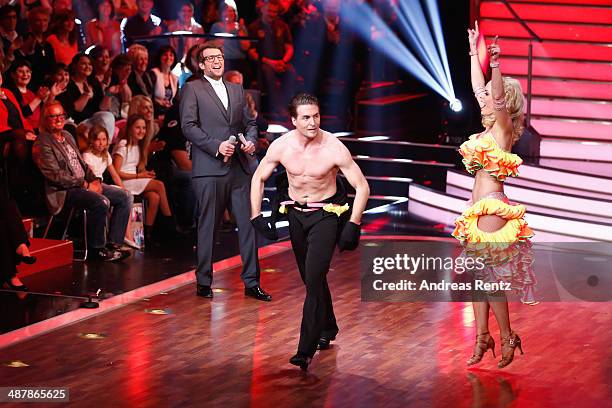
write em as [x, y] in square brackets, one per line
[315, 164]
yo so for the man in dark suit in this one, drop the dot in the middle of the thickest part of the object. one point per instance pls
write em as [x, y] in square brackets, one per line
[211, 111]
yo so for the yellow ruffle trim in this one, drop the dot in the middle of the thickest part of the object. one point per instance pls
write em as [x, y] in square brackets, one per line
[485, 153]
[332, 208]
[336, 208]
[515, 229]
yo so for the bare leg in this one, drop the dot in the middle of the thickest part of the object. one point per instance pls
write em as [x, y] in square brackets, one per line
[152, 207]
[23, 250]
[500, 310]
[158, 187]
[481, 314]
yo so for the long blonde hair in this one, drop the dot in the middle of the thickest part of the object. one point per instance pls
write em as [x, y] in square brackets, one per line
[91, 138]
[515, 103]
[142, 144]
[135, 105]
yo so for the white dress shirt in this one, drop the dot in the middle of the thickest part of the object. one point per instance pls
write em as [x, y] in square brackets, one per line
[220, 90]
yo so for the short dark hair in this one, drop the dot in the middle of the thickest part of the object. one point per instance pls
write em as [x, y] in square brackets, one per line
[300, 99]
[207, 45]
[8, 9]
[161, 51]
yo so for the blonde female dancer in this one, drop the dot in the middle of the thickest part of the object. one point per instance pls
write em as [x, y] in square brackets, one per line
[491, 220]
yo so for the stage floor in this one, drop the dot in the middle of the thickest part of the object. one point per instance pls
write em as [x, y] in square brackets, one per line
[233, 351]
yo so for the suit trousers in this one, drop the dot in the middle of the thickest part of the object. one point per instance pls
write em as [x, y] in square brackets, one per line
[214, 194]
[313, 237]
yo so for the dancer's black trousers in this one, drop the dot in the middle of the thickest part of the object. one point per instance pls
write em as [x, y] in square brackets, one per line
[313, 237]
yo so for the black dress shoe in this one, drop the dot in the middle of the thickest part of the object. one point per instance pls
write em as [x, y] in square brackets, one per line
[301, 361]
[204, 291]
[258, 293]
[324, 343]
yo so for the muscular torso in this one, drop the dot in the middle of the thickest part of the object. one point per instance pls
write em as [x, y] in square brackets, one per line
[311, 169]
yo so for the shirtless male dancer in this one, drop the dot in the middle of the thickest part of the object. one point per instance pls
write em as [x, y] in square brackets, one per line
[314, 207]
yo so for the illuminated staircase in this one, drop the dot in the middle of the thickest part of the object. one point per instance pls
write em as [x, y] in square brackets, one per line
[572, 74]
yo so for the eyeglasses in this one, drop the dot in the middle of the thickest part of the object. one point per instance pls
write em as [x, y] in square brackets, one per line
[212, 58]
[60, 116]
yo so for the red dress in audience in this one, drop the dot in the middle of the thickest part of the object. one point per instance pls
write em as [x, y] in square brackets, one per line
[64, 51]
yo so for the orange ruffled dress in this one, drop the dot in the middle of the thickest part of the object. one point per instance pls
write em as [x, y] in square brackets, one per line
[484, 153]
[507, 252]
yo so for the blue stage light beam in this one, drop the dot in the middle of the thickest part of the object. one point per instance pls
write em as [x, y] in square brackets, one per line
[414, 24]
[434, 17]
[361, 18]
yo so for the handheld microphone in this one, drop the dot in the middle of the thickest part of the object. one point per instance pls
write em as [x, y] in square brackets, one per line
[243, 140]
[232, 140]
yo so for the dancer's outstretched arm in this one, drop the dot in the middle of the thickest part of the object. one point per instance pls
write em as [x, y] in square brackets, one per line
[478, 80]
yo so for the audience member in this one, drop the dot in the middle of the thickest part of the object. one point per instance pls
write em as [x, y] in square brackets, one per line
[64, 36]
[20, 74]
[185, 22]
[104, 30]
[139, 81]
[142, 23]
[35, 48]
[70, 183]
[129, 159]
[165, 83]
[119, 91]
[234, 51]
[275, 50]
[99, 161]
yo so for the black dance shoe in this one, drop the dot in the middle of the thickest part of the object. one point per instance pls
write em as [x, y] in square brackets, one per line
[301, 361]
[204, 291]
[258, 293]
[324, 343]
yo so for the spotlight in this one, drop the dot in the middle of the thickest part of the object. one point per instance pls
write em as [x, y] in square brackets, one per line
[456, 105]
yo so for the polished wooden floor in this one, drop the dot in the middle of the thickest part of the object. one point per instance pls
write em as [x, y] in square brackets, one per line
[233, 351]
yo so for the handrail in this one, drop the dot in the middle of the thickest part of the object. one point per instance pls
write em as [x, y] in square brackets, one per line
[522, 22]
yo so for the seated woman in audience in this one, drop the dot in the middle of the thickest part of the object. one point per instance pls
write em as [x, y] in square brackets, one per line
[139, 81]
[100, 57]
[142, 105]
[16, 139]
[129, 159]
[104, 30]
[20, 75]
[119, 91]
[99, 160]
[64, 36]
[165, 83]
[84, 98]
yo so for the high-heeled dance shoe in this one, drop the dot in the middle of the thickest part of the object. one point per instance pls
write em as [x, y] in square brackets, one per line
[9, 285]
[301, 361]
[484, 342]
[26, 259]
[508, 345]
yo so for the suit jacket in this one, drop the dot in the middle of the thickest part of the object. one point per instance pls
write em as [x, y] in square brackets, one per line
[206, 123]
[54, 164]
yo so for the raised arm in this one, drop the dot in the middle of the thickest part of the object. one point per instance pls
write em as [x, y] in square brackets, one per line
[478, 80]
[502, 118]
